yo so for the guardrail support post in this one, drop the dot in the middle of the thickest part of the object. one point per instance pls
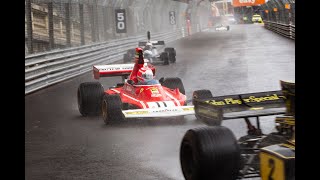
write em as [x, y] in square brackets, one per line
[81, 24]
[96, 22]
[50, 23]
[93, 32]
[68, 24]
[29, 26]
[105, 22]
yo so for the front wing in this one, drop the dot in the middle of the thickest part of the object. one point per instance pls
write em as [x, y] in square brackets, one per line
[159, 112]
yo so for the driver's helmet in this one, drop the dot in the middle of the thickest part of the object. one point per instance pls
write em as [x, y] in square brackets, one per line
[144, 74]
[148, 46]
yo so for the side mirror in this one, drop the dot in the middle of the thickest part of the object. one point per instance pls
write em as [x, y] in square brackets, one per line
[130, 81]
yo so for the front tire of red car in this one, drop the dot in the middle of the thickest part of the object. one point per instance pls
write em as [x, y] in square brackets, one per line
[111, 109]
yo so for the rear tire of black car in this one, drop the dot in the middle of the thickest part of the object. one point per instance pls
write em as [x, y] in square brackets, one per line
[112, 109]
[174, 83]
[165, 58]
[208, 153]
[89, 96]
[171, 54]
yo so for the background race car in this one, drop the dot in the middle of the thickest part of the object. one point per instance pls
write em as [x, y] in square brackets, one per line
[128, 100]
[256, 18]
[214, 153]
[151, 53]
[221, 27]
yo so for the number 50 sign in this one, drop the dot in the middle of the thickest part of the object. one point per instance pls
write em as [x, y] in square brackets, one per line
[121, 21]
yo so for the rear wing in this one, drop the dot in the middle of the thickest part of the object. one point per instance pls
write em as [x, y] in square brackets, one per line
[241, 105]
[112, 70]
[117, 69]
[143, 43]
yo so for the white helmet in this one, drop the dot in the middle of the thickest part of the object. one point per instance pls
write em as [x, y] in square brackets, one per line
[148, 46]
[144, 74]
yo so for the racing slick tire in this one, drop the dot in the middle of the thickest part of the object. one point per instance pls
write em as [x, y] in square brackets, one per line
[171, 54]
[89, 96]
[165, 58]
[201, 94]
[174, 83]
[208, 153]
[204, 94]
[112, 109]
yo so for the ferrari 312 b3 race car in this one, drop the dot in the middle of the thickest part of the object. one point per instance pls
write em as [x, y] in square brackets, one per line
[213, 152]
[151, 53]
[129, 100]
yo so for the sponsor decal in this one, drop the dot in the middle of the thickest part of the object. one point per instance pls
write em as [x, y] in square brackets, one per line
[111, 69]
[165, 110]
[237, 3]
[188, 109]
[154, 90]
[247, 1]
[251, 99]
[156, 95]
[116, 68]
[137, 112]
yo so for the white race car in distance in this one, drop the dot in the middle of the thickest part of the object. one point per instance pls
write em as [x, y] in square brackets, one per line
[221, 27]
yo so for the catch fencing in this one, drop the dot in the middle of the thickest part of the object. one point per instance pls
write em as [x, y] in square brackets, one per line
[60, 24]
[279, 16]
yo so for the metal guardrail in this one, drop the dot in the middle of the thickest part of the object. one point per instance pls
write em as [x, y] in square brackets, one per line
[45, 69]
[287, 30]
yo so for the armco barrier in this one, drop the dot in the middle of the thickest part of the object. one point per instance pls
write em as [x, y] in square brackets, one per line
[287, 30]
[44, 69]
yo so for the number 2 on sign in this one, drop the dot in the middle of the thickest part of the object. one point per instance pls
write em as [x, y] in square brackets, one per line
[272, 166]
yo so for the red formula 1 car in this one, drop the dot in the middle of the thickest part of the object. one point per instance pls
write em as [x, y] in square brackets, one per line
[128, 100]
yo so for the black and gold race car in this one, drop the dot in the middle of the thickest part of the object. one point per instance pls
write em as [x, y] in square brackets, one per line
[213, 152]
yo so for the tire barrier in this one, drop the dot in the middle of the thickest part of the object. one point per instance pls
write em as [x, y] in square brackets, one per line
[287, 30]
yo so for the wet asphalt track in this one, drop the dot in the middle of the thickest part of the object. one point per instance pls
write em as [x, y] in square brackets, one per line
[60, 144]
